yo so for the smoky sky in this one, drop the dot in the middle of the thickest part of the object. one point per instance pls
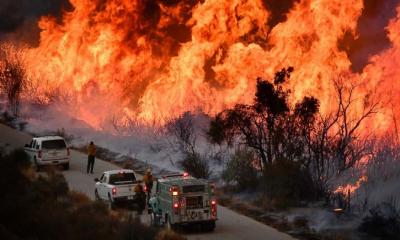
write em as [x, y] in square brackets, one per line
[13, 13]
[372, 35]
[18, 18]
[278, 10]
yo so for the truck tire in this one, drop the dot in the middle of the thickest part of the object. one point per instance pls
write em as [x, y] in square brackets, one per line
[37, 166]
[111, 204]
[139, 211]
[170, 226]
[209, 226]
[154, 220]
[143, 202]
[96, 195]
[66, 166]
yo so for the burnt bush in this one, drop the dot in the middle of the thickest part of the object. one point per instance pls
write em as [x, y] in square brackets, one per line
[382, 222]
[133, 230]
[241, 170]
[288, 182]
[195, 165]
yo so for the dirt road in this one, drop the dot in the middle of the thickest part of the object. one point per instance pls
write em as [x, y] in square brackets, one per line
[230, 225]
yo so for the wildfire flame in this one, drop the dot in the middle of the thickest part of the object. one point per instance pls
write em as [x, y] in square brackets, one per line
[351, 188]
[118, 58]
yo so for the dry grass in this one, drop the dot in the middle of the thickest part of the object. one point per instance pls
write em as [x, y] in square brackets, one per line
[168, 235]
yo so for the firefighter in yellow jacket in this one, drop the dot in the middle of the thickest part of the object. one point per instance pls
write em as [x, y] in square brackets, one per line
[148, 182]
[91, 150]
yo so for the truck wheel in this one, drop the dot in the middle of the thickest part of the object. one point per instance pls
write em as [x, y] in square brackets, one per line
[66, 166]
[37, 166]
[143, 202]
[170, 226]
[209, 226]
[111, 204]
[96, 195]
[140, 210]
[155, 219]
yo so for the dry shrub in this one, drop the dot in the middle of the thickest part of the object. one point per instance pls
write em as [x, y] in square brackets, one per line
[196, 165]
[169, 235]
[382, 222]
[287, 183]
[241, 170]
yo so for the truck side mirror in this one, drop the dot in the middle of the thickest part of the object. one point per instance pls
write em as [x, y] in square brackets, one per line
[27, 145]
[96, 180]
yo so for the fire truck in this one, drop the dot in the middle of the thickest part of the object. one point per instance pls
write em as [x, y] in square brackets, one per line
[182, 200]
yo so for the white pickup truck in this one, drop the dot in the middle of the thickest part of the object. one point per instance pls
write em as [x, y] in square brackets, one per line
[48, 150]
[117, 187]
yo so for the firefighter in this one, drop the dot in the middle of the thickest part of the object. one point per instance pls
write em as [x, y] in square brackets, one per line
[91, 149]
[148, 181]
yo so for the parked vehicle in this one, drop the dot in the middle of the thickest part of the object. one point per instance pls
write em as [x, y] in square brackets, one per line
[48, 150]
[120, 188]
[182, 200]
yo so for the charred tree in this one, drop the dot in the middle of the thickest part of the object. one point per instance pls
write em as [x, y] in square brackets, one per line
[269, 126]
[12, 81]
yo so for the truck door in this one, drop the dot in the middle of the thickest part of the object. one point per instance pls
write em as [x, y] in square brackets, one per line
[157, 197]
[28, 149]
[102, 187]
[33, 149]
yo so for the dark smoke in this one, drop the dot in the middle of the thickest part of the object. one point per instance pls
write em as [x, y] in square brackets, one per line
[11, 15]
[278, 10]
[372, 36]
[175, 33]
[18, 18]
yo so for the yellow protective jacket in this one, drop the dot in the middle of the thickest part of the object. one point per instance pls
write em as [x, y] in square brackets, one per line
[148, 178]
[91, 150]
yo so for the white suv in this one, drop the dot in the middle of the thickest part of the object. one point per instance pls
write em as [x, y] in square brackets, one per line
[48, 150]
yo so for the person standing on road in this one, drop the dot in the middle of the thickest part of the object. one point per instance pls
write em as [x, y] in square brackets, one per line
[148, 181]
[91, 149]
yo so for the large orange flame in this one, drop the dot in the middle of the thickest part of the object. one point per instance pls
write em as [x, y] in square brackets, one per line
[114, 58]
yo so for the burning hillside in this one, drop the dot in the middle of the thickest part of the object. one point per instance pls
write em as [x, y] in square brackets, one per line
[153, 60]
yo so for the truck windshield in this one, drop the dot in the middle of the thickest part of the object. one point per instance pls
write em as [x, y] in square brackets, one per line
[54, 144]
[193, 188]
[122, 178]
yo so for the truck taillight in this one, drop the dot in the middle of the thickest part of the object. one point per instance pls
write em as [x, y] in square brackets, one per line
[114, 191]
[39, 153]
[145, 188]
[176, 208]
[213, 207]
[174, 190]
